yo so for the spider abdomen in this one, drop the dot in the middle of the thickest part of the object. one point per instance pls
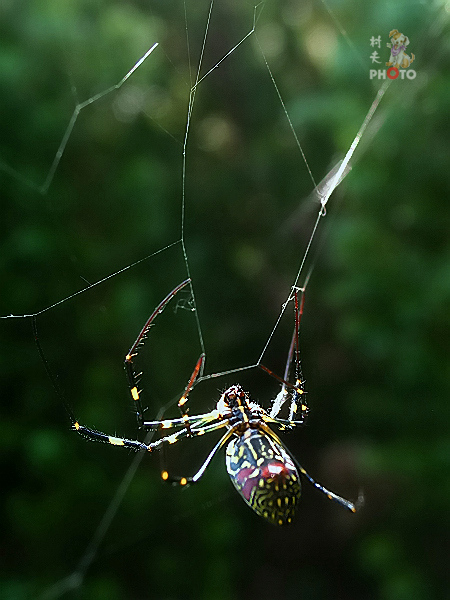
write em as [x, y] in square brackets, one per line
[265, 475]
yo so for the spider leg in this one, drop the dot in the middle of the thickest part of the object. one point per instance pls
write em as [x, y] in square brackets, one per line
[191, 432]
[293, 356]
[198, 420]
[183, 481]
[283, 394]
[353, 506]
[184, 398]
[297, 393]
[99, 436]
[133, 378]
[284, 423]
[298, 376]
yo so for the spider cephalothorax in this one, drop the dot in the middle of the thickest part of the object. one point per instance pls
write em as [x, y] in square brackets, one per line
[236, 406]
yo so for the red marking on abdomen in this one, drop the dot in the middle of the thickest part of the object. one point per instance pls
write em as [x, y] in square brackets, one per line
[246, 484]
[275, 470]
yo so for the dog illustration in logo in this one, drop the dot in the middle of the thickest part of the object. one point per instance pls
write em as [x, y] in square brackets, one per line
[398, 44]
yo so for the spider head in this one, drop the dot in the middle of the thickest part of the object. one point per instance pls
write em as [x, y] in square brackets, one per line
[233, 398]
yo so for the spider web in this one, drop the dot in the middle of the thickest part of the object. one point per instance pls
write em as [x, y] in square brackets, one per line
[169, 262]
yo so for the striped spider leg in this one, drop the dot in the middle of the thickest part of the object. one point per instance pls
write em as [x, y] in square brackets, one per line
[133, 382]
[296, 392]
[133, 378]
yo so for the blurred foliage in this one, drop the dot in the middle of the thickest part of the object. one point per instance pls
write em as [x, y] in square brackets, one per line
[375, 329]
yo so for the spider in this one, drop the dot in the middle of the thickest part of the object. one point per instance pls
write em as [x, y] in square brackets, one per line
[262, 470]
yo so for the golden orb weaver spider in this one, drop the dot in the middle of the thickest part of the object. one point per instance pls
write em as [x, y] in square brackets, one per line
[262, 470]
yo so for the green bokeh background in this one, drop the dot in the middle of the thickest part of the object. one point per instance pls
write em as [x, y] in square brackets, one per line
[375, 329]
